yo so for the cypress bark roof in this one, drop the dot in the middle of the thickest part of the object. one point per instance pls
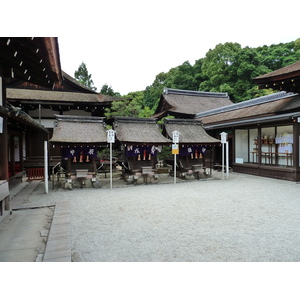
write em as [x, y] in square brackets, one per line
[190, 131]
[45, 96]
[286, 79]
[287, 71]
[139, 131]
[276, 104]
[79, 130]
[189, 103]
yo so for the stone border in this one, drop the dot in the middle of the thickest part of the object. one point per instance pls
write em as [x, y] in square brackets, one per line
[58, 247]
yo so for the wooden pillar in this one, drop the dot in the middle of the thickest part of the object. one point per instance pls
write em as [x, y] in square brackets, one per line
[12, 154]
[69, 165]
[259, 146]
[187, 161]
[21, 152]
[3, 135]
[94, 168]
[4, 152]
[296, 149]
[154, 161]
[203, 158]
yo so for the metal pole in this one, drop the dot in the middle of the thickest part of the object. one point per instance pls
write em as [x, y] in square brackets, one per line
[227, 160]
[175, 168]
[223, 161]
[110, 145]
[46, 166]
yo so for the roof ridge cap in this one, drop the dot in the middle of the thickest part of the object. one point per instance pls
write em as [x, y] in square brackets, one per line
[193, 93]
[247, 103]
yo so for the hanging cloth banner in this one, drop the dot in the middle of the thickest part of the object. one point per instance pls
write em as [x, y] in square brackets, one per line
[185, 150]
[71, 152]
[136, 150]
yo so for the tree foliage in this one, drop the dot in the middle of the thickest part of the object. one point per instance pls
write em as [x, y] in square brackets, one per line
[132, 105]
[108, 90]
[228, 68]
[83, 76]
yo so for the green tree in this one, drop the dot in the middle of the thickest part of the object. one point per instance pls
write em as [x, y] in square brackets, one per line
[226, 68]
[83, 76]
[217, 68]
[108, 90]
[123, 108]
[152, 92]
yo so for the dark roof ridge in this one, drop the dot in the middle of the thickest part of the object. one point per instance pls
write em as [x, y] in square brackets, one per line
[183, 121]
[247, 103]
[194, 93]
[132, 119]
[85, 119]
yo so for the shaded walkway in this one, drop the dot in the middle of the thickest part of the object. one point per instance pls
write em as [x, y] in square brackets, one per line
[37, 230]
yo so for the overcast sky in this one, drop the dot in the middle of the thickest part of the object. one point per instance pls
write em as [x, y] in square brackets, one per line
[125, 44]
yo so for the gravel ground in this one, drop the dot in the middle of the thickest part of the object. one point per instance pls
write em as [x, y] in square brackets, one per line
[242, 219]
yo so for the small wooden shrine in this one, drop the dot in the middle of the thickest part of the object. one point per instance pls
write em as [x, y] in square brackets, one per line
[141, 140]
[79, 139]
[194, 144]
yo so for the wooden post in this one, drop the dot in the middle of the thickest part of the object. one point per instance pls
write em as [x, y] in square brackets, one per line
[21, 152]
[12, 154]
[3, 135]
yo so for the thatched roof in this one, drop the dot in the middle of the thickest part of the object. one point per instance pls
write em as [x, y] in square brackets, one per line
[264, 108]
[138, 131]
[190, 131]
[187, 104]
[45, 96]
[286, 78]
[79, 130]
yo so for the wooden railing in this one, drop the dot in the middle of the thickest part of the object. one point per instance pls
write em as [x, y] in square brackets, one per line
[35, 173]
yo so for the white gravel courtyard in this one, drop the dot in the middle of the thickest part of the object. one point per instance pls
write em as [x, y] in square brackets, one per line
[242, 219]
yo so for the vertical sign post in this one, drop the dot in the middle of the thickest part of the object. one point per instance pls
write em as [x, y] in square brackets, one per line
[46, 165]
[227, 160]
[224, 141]
[110, 140]
[175, 150]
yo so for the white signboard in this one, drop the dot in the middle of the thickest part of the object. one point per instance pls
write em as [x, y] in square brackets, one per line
[175, 134]
[223, 137]
[110, 136]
